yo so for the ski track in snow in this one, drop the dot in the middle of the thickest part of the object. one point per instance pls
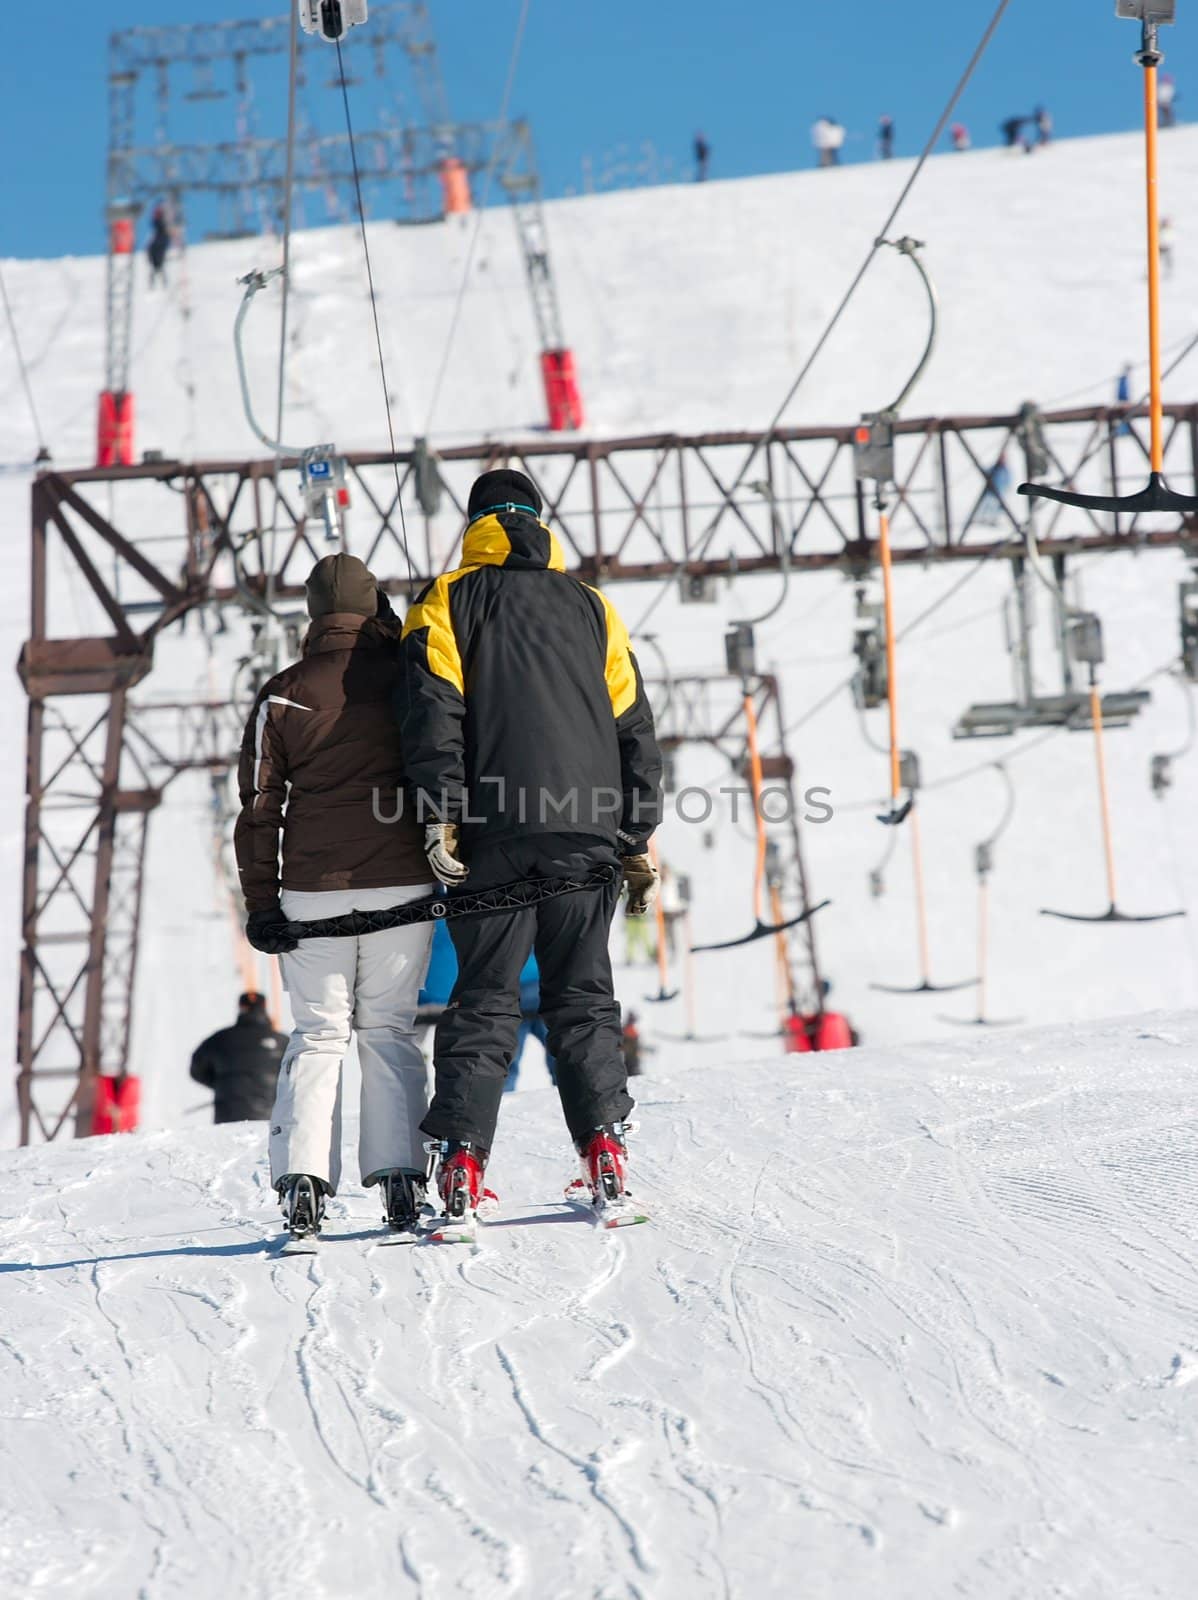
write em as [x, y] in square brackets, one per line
[933, 1316]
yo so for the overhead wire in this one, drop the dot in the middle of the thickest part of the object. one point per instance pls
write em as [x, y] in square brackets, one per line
[903, 633]
[374, 310]
[43, 452]
[880, 239]
[480, 214]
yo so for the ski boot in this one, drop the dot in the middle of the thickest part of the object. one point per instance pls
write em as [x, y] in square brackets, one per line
[302, 1199]
[602, 1187]
[404, 1196]
[460, 1185]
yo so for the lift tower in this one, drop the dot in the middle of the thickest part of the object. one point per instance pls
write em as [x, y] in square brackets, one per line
[154, 72]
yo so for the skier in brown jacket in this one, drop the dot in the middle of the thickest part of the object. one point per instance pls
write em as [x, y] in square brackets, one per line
[320, 764]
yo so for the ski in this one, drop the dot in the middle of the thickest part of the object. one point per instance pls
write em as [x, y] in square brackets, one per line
[305, 1244]
[463, 1229]
[604, 1213]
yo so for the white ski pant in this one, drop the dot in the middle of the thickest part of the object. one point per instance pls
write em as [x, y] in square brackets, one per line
[367, 985]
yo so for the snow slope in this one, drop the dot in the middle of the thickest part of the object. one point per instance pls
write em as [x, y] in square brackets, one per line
[924, 1326]
[692, 307]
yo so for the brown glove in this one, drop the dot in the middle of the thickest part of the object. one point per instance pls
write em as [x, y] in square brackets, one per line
[641, 879]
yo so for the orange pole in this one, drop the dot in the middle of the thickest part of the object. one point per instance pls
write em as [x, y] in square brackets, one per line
[891, 653]
[755, 780]
[1104, 798]
[921, 907]
[785, 980]
[1154, 271]
[659, 917]
[688, 972]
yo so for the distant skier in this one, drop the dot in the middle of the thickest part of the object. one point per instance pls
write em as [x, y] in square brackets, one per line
[532, 1024]
[959, 134]
[159, 245]
[630, 1043]
[886, 139]
[1042, 118]
[1123, 397]
[529, 748]
[1168, 239]
[998, 481]
[1166, 100]
[828, 138]
[1012, 130]
[640, 945]
[241, 1064]
[320, 764]
[702, 158]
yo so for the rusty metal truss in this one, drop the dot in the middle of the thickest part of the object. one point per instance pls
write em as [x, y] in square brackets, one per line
[107, 584]
[708, 709]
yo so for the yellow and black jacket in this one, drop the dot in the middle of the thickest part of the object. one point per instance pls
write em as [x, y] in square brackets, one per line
[522, 709]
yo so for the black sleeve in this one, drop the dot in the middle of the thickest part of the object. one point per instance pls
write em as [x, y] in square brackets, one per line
[640, 769]
[431, 708]
[203, 1068]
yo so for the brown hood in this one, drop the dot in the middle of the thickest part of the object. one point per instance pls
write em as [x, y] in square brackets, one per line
[341, 583]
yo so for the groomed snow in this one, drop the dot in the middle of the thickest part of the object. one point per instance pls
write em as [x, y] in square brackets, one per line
[909, 1324]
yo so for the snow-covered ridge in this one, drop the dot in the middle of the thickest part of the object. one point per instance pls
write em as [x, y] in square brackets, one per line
[906, 1324]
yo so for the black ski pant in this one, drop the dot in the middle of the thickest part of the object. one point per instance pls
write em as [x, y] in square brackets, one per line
[476, 1037]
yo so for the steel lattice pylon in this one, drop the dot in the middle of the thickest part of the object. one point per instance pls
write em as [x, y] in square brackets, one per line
[219, 58]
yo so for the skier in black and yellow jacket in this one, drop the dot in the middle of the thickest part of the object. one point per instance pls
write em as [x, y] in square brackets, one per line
[529, 751]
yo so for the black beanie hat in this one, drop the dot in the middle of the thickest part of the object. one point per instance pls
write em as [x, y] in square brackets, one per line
[496, 491]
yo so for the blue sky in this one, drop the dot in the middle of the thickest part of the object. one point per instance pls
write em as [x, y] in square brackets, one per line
[604, 81]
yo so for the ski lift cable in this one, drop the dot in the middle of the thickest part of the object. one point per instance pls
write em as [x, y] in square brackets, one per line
[847, 683]
[43, 453]
[903, 633]
[374, 311]
[480, 214]
[1189, 341]
[880, 239]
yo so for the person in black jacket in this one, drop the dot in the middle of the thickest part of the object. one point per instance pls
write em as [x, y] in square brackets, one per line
[159, 246]
[529, 752]
[241, 1064]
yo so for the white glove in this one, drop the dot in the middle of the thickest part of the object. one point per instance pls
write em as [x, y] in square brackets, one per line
[441, 848]
[641, 877]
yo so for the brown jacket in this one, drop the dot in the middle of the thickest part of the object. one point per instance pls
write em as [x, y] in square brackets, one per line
[320, 742]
